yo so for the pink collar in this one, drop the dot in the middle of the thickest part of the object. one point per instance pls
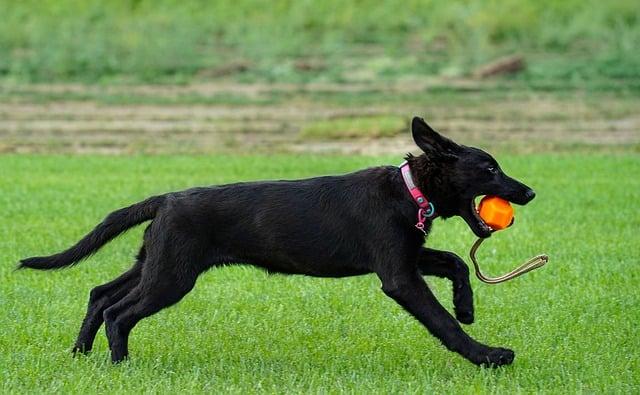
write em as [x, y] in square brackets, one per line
[426, 209]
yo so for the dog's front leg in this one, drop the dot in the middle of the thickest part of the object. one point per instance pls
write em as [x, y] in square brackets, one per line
[410, 291]
[448, 265]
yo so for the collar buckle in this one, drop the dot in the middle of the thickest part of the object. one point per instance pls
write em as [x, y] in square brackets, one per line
[430, 211]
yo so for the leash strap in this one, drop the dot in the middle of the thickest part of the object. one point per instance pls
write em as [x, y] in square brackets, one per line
[532, 264]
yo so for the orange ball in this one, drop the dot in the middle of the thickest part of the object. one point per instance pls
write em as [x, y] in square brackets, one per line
[495, 212]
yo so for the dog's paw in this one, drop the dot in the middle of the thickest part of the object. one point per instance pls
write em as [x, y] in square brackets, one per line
[80, 350]
[495, 357]
[464, 315]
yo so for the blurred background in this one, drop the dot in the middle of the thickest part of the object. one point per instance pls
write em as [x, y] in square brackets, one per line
[135, 76]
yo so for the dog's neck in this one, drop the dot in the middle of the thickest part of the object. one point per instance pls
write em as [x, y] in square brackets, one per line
[428, 175]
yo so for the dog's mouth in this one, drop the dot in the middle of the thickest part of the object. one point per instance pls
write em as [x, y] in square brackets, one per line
[472, 218]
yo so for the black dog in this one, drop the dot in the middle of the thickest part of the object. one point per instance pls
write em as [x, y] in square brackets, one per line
[336, 226]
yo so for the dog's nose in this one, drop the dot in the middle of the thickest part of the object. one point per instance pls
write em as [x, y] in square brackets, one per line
[530, 194]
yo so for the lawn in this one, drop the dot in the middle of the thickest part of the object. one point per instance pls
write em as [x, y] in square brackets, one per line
[573, 324]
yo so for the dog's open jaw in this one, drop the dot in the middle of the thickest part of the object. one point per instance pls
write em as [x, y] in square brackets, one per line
[472, 218]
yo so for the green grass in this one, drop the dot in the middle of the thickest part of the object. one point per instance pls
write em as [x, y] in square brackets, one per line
[581, 42]
[355, 127]
[573, 324]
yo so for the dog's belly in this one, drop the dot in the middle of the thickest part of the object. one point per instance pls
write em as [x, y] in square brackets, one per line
[314, 271]
[310, 263]
[296, 248]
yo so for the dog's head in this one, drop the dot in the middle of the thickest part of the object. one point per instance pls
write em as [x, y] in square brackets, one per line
[454, 175]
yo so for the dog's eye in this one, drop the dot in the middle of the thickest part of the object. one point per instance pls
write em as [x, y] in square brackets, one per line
[492, 169]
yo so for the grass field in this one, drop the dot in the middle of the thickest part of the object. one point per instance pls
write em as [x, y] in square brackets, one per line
[105, 103]
[583, 42]
[572, 324]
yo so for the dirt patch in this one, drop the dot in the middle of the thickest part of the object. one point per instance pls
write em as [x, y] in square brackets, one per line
[529, 123]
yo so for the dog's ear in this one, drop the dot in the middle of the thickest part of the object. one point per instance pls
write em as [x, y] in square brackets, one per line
[432, 142]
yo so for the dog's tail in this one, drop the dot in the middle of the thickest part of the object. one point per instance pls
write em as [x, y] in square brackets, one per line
[113, 225]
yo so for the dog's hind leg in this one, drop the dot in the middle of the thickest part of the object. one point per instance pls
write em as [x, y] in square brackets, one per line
[408, 289]
[103, 296]
[169, 273]
[448, 265]
[143, 301]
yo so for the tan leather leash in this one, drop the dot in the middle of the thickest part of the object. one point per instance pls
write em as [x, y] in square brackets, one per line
[532, 264]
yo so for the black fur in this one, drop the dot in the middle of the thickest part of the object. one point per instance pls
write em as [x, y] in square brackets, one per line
[332, 226]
